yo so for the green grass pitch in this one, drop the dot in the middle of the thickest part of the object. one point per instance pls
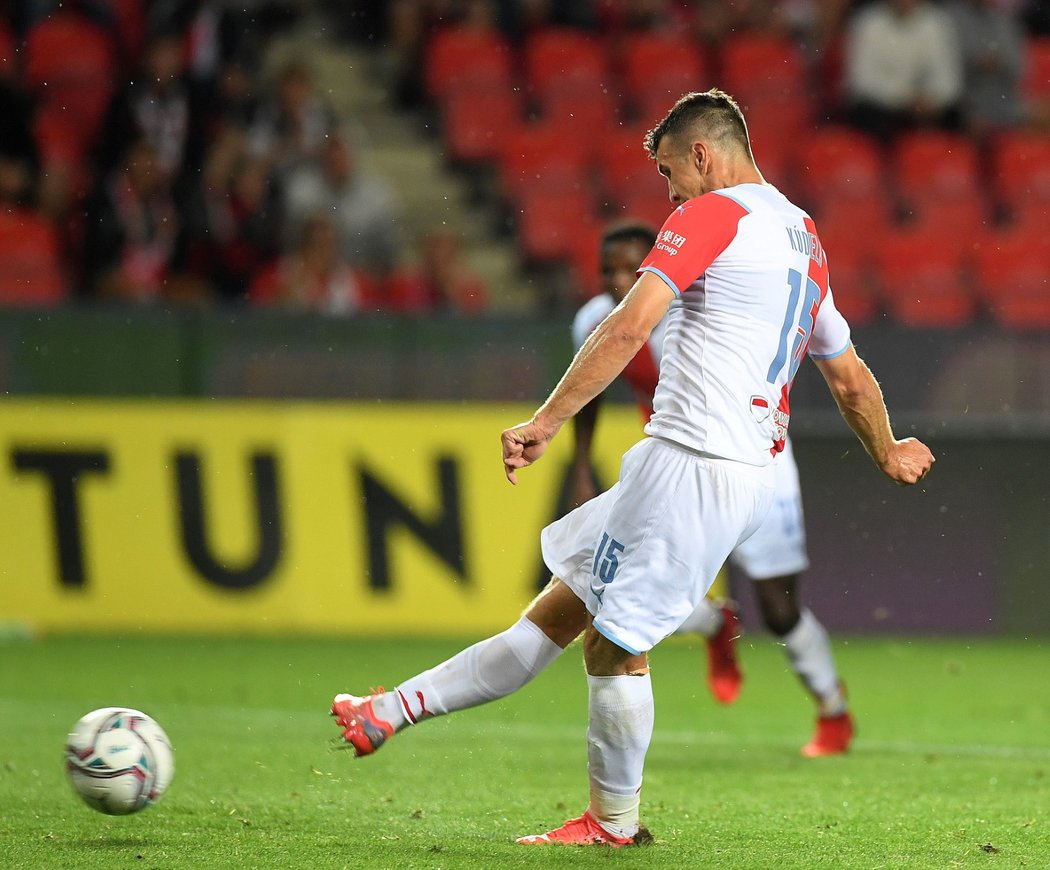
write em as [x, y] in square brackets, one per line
[951, 767]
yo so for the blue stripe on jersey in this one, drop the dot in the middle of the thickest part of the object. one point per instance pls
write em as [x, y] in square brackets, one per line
[607, 634]
[840, 352]
[666, 280]
[730, 196]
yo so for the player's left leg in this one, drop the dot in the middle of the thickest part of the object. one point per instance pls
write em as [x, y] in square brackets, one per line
[486, 671]
[620, 726]
[808, 649]
[719, 625]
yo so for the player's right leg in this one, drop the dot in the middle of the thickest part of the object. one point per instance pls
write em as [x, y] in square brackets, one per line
[486, 671]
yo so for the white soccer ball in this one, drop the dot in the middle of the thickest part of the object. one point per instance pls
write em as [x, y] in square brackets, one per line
[119, 760]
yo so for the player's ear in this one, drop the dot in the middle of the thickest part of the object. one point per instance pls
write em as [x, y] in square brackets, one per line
[700, 156]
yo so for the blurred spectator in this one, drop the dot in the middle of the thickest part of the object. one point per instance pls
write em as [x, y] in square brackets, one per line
[993, 52]
[903, 67]
[134, 234]
[313, 277]
[442, 280]
[359, 203]
[156, 106]
[19, 161]
[234, 218]
[292, 126]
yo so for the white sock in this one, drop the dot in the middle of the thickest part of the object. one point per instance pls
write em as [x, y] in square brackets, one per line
[620, 726]
[706, 620]
[809, 650]
[484, 672]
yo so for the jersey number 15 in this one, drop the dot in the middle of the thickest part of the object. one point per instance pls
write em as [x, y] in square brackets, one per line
[802, 323]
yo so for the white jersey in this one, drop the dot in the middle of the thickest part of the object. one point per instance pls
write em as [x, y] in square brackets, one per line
[751, 281]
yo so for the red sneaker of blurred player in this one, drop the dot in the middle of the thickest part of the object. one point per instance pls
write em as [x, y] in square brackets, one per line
[723, 673]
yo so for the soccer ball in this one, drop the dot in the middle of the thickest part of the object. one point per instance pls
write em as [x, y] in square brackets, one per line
[119, 760]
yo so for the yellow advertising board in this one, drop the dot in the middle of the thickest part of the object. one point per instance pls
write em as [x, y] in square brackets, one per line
[274, 517]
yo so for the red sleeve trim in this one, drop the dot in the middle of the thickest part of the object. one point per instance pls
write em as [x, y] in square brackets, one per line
[692, 237]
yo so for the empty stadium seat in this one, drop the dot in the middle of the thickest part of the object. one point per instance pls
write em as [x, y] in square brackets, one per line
[960, 218]
[624, 162]
[70, 65]
[922, 281]
[458, 58]
[850, 257]
[29, 260]
[559, 56]
[838, 162]
[1035, 85]
[649, 204]
[1013, 277]
[935, 164]
[581, 108]
[658, 68]
[762, 66]
[1022, 171]
[478, 122]
[549, 222]
[540, 156]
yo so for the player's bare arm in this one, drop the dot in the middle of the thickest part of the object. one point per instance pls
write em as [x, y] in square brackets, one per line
[601, 358]
[860, 401]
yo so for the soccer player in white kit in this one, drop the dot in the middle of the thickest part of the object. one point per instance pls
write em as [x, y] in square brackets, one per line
[774, 556]
[746, 279]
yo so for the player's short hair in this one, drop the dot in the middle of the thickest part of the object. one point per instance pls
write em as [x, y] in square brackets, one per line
[713, 114]
[628, 231]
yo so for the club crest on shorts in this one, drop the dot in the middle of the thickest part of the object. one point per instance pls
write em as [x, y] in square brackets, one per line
[760, 408]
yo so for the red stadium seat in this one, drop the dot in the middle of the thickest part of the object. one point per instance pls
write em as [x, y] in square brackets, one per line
[1022, 170]
[557, 57]
[478, 123]
[550, 221]
[758, 66]
[658, 68]
[581, 108]
[934, 164]
[962, 218]
[838, 162]
[1013, 277]
[1036, 83]
[624, 163]
[29, 260]
[458, 58]
[922, 279]
[648, 203]
[540, 156]
[780, 130]
[866, 218]
[70, 66]
[850, 258]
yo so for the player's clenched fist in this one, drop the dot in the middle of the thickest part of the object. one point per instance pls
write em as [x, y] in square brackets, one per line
[522, 445]
[909, 461]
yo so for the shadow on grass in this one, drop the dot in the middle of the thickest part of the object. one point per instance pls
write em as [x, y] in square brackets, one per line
[105, 843]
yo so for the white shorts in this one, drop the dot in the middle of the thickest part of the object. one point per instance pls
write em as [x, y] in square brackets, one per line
[642, 555]
[778, 546]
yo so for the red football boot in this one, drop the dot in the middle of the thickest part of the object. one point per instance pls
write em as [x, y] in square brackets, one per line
[833, 737]
[362, 728]
[724, 677]
[585, 831]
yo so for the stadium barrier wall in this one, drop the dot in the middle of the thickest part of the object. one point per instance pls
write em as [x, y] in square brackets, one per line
[272, 517]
